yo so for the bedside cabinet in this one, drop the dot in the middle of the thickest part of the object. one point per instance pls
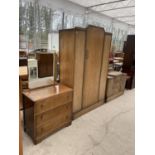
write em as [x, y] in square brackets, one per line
[47, 110]
[115, 85]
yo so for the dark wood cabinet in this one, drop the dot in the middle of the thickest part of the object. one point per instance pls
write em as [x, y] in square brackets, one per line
[23, 61]
[84, 65]
[129, 61]
[45, 64]
[47, 110]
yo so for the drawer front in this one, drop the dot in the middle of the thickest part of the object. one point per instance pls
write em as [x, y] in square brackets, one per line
[51, 114]
[55, 123]
[53, 102]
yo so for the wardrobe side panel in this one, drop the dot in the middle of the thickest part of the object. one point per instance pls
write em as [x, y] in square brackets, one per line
[105, 63]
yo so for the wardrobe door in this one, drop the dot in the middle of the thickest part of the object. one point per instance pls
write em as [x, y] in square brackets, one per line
[67, 57]
[105, 63]
[79, 69]
[93, 59]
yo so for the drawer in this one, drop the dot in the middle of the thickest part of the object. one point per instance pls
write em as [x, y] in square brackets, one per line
[49, 115]
[53, 102]
[53, 125]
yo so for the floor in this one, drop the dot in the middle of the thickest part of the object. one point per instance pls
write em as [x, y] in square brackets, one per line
[107, 130]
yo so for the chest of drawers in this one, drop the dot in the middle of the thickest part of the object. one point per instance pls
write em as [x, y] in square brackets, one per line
[47, 110]
[115, 85]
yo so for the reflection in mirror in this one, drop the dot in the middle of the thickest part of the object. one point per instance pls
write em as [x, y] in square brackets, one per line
[32, 69]
[42, 69]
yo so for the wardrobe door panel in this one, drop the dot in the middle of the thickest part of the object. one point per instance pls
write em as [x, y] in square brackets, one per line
[105, 63]
[79, 69]
[66, 42]
[93, 58]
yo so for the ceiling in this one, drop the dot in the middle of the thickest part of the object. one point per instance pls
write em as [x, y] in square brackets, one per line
[122, 10]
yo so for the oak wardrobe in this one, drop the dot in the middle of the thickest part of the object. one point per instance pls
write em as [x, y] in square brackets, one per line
[84, 54]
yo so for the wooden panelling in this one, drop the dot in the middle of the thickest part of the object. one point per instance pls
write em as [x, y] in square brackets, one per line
[67, 41]
[79, 69]
[93, 60]
[105, 63]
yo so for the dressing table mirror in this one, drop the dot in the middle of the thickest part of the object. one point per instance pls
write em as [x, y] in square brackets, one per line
[42, 69]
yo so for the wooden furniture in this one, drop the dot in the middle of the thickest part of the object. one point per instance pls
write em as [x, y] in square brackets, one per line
[105, 65]
[45, 64]
[22, 58]
[115, 85]
[20, 136]
[47, 110]
[22, 78]
[23, 83]
[84, 64]
[22, 54]
[129, 61]
[72, 53]
[23, 61]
